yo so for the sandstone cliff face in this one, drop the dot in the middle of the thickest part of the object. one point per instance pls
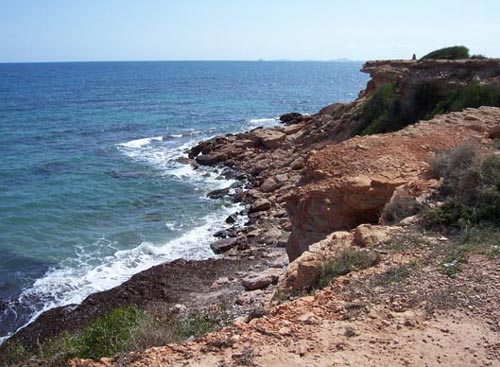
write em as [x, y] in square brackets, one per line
[444, 74]
[348, 184]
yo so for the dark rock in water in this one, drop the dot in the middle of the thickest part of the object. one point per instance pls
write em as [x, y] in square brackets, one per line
[232, 219]
[291, 118]
[236, 185]
[230, 232]
[205, 160]
[185, 160]
[218, 194]
[203, 147]
[228, 173]
[221, 234]
[221, 246]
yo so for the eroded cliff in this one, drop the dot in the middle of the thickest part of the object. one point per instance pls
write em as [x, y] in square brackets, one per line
[349, 183]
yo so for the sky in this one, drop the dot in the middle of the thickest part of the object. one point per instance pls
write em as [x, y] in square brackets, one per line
[112, 30]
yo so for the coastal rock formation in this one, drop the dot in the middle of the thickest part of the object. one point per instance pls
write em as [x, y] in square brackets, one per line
[315, 187]
[348, 184]
[445, 74]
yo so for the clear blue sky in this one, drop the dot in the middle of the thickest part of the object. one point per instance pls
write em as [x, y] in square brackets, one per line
[81, 30]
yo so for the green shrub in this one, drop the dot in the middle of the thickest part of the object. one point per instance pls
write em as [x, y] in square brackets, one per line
[472, 96]
[120, 330]
[449, 53]
[383, 112]
[13, 353]
[108, 335]
[348, 260]
[471, 188]
[196, 325]
[426, 98]
[429, 100]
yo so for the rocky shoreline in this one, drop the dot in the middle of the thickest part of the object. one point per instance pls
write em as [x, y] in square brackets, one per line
[301, 181]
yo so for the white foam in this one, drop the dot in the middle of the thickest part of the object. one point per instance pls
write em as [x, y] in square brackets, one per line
[74, 280]
[164, 157]
[137, 143]
[161, 155]
[264, 122]
[67, 285]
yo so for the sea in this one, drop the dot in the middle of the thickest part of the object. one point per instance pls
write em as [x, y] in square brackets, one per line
[91, 189]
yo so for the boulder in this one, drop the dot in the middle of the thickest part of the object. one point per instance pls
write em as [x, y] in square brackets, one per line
[298, 163]
[218, 194]
[307, 274]
[292, 129]
[269, 185]
[260, 205]
[262, 279]
[269, 138]
[231, 219]
[291, 118]
[282, 178]
[366, 235]
[186, 160]
[221, 246]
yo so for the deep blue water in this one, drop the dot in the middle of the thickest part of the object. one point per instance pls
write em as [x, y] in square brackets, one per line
[90, 190]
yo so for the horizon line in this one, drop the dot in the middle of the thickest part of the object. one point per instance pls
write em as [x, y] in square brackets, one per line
[180, 60]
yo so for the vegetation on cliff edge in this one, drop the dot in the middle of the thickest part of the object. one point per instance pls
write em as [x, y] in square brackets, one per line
[386, 111]
[448, 53]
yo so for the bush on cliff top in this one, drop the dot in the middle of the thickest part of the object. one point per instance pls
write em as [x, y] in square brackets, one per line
[448, 53]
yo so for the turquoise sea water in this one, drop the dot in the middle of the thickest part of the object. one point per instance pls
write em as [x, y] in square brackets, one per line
[90, 190]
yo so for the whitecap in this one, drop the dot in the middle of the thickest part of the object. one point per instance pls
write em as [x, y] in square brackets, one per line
[137, 143]
[264, 122]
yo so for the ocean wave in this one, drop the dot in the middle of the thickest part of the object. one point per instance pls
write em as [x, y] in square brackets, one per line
[137, 143]
[66, 285]
[90, 272]
[161, 155]
[164, 157]
[265, 122]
